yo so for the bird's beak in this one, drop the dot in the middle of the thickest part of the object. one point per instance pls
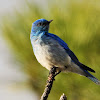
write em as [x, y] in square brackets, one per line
[50, 21]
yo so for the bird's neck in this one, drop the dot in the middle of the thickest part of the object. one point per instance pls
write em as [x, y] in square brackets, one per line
[36, 35]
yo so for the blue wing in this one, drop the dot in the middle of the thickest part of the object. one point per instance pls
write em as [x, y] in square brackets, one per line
[64, 45]
[69, 52]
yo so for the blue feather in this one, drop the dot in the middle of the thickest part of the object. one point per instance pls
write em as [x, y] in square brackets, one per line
[61, 42]
[92, 78]
[60, 58]
[69, 52]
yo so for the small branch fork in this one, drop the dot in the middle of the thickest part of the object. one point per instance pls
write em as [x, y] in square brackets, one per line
[63, 97]
[53, 72]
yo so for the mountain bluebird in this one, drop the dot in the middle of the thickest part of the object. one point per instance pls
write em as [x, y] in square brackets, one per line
[50, 50]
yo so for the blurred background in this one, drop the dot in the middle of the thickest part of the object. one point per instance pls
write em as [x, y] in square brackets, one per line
[77, 22]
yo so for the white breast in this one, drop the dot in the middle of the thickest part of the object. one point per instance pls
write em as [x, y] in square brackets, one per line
[51, 54]
[41, 54]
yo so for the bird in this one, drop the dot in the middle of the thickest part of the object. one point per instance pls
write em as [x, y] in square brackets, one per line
[50, 50]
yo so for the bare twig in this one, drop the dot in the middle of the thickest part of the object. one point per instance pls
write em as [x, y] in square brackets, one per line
[63, 97]
[49, 84]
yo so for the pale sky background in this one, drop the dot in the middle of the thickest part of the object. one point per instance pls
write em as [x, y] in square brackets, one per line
[9, 76]
[7, 6]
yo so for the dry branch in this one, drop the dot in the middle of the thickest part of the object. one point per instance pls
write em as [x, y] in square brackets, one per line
[49, 84]
[63, 97]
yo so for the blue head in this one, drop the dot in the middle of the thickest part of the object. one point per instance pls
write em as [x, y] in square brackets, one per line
[41, 25]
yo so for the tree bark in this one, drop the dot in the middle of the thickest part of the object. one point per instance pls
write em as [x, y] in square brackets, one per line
[49, 84]
[63, 97]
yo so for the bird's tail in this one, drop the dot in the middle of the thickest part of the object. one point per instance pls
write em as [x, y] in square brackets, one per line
[95, 80]
[92, 78]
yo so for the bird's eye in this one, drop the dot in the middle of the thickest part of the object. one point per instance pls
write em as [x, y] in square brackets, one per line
[44, 24]
[39, 24]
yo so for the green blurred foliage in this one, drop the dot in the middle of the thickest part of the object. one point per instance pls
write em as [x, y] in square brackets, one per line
[78, 24]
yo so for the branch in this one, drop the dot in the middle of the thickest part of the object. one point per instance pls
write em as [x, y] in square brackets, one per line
[63, 97]
[49, 84]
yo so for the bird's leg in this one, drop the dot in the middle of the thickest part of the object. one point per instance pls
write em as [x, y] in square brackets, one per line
[57, 73]
[53, 71]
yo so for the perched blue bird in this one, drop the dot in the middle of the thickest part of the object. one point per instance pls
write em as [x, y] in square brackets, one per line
[50, 50]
